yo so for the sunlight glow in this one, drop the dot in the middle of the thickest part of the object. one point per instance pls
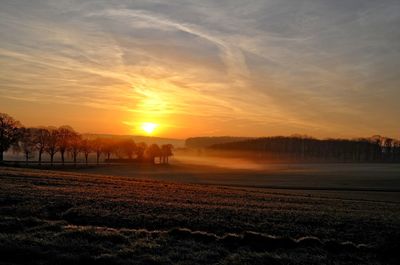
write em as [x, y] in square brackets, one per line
[149, 127]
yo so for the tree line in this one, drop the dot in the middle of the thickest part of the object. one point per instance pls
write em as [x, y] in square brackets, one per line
[65, 141]
[204, 142]
[303, 148]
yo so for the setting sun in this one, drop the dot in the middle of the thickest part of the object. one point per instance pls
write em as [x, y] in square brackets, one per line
[149, 127]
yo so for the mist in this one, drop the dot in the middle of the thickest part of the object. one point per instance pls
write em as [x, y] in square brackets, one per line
[218, 161]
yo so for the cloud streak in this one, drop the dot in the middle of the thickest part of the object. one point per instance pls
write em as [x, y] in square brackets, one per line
[276, 67]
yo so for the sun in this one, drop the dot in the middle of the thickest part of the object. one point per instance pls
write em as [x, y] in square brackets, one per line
[149, 127]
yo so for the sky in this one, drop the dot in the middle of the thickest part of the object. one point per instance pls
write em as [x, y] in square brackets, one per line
[203, 67]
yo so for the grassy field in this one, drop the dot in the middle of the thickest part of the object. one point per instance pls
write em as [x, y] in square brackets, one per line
[239, 172]
[54, 217]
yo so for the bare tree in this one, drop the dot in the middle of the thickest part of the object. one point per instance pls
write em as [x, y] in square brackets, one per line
[51, 143]
[140, 150]
[128, 148]
[86, 148]
[166, 150]
[118, 148]
[74, 145]
[97, 146]
[152, 152]
[64, 138]
[27, 142]
[9, 133]
[40, 136]
[108, 147]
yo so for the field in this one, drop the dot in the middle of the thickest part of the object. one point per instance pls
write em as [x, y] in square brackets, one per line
[186, 214]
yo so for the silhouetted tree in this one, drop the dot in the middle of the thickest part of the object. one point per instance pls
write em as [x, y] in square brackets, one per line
[396, 151]
[86, 148]
[51, 143]
[375, 149]
[75, 145]
[118, 148]
[140, 150]
[128, 147]
[9, 133]
[64, 137]
[40, 136]
[152, 152]
[108, 147]
[387, 148]
[27, 142]
[97, 146]
[166, 151]
[204, 142]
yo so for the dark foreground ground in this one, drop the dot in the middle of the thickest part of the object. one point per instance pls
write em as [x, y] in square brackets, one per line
[75, 218]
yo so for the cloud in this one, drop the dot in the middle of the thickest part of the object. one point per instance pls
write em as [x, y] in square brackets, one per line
[313, 67]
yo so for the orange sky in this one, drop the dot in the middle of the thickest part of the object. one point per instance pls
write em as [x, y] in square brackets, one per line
[322, 69]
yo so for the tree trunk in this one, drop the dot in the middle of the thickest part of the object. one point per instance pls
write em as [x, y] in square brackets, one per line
[62, 157]
[86, 158]
[51, 159]
[26, 158]
[98, 158]
[40, 158]
[75, 159]
[1, 155]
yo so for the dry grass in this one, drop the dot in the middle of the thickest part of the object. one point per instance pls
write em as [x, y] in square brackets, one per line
[70, 218]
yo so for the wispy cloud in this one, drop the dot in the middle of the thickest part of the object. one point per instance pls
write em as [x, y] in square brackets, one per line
[317, 67]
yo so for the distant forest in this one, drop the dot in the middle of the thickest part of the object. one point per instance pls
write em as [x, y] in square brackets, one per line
[304, 148]
[204, 142]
